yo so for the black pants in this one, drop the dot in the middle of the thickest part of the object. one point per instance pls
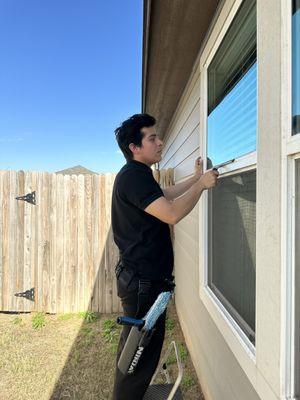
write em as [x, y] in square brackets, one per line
[133, 387]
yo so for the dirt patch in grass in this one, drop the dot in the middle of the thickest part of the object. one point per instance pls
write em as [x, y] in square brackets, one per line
[72, 356]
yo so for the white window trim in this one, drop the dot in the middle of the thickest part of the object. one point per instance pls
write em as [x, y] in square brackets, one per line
[241, 164]
[290, 153]
[238, 342]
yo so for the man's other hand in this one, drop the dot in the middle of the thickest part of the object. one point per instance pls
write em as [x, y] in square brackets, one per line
[198, 168]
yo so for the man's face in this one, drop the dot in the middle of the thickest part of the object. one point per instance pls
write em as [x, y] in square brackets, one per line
[151, 148]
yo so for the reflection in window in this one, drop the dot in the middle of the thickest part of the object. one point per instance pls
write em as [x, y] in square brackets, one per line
[232, 124]
[296, 66]
[231, 255]
[297, 285]
[232, 90]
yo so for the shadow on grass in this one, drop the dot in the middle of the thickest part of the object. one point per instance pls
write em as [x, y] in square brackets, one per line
[88, 372]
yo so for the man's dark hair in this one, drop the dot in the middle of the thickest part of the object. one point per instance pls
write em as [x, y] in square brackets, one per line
[130, 132]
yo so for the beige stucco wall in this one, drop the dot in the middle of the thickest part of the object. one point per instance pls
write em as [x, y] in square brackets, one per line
[220, 373]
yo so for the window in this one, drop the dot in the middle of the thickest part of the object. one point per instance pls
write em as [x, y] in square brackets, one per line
[296, 67]
[232, 90]
[231, 134]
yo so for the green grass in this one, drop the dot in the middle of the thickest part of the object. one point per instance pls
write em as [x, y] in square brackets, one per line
[170, 323]
[87, 331]
[114, 348]
[65, 317]
[71, 358]
[38, 320]
[183, 353]
[17, 321]
[187, 381]
[110, 333]
[89, 316]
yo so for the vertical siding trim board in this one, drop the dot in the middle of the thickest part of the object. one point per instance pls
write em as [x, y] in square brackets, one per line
[290, 152]
[288, 205]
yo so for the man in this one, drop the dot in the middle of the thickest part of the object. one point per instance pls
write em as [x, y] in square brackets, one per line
[141, 214]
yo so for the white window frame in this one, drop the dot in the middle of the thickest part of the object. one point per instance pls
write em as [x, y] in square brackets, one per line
[240, 345]
[290, 153]
[233, 334]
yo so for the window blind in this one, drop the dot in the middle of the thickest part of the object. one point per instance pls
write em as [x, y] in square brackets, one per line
[236, 54]
[232, 90]
[232, 125]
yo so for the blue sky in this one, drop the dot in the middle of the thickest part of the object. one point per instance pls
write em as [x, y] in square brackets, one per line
[70, 73]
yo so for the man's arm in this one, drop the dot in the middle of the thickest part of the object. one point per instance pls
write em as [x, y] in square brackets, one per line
[172, 212]
[172, 192]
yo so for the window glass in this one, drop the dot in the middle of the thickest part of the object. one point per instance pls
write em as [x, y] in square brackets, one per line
[296, 67]
[232, 125]
[231, 255]
[232, 90]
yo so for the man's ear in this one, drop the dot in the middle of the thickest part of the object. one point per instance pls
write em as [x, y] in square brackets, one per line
[134, 148]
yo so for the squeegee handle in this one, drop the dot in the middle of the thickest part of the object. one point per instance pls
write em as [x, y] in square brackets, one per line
[130, 321]
[216, 167]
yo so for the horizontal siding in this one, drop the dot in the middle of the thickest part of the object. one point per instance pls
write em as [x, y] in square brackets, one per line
[182, 144]
[185, 109]
[186, 167]
[188, 126]
[191, 141]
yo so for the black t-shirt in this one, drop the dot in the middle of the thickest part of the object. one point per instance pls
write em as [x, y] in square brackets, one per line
[144, 241]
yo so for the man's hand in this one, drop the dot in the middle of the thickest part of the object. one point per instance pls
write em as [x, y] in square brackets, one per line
[209, 179]
[198, 168]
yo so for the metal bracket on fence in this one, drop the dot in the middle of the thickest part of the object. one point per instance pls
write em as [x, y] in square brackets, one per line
[30, 198]
[28, 294]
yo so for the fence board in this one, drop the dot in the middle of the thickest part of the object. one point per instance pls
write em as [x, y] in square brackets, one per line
[27, 283]
[101, 272]
[19, 242]
[66, 281]
[72, 277]
[80, 241]
[33, 235]
[53, 242]
[12, 241]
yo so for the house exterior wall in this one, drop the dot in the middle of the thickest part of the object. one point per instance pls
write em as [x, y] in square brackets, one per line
[227, 369]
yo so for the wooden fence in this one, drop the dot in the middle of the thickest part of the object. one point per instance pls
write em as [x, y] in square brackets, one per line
[57, 255]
